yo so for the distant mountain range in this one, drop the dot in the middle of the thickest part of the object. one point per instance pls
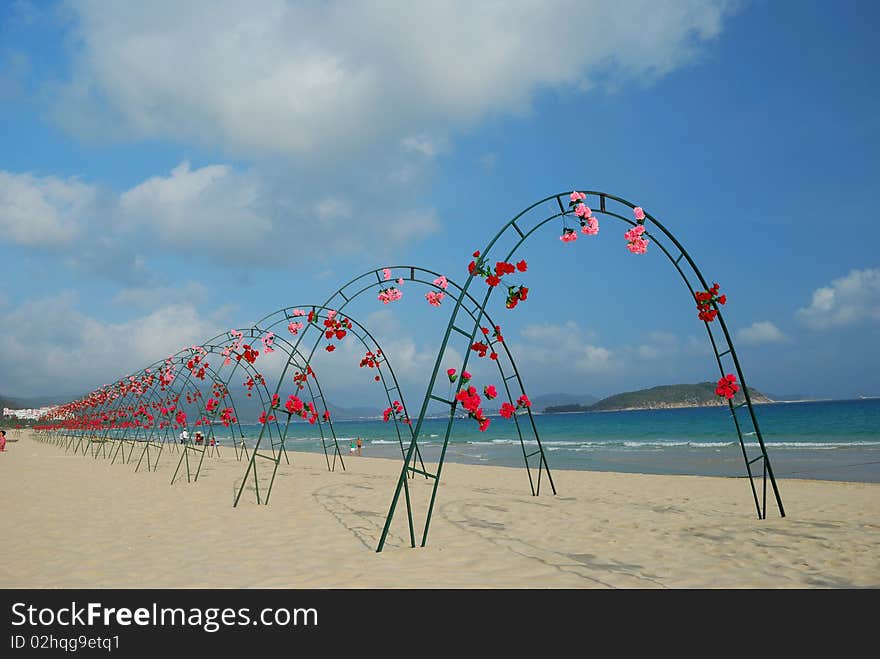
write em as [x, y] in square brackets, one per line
[701, 394]
[666, 396]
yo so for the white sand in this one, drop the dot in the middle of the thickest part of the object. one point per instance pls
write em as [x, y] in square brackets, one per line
[71, 521]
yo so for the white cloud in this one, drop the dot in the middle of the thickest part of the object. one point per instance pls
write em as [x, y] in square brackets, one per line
[563, 346]
[209, 207]
[272, 76]
[203, 213]
[761, 332]
[57, 349]
[657, 345]
[425, 145]
[149, 297]
[846, 301]
[43, 211]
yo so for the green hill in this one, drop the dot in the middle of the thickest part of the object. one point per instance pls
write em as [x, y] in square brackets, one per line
[665, 396]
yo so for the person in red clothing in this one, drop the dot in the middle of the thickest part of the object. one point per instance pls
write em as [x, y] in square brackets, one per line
[2, 440]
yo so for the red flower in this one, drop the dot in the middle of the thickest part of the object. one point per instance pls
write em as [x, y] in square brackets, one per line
[480, 348]
[507, 410]
[727, 387]
[705, 300]
[522, 266]
[330, 348]
[492, 280]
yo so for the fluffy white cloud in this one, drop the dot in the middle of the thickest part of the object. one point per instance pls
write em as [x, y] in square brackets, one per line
[212, 206]
[846, 301]
[146, 297]
[760, 332]
[43, 211]
[201, 213]
[657, 345]
[273, 76]
[563, 346]
[57, 348]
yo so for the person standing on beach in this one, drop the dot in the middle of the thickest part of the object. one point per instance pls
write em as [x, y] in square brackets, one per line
[184, 436]
[360, 445]
[2, 440]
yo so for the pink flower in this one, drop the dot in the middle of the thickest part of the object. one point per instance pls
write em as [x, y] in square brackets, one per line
[387, 295]
[400, 281]
[298, 312]
[441, 282]
[294, 328]
[582, 211]
[636, 244]
[639, 213]
[591, 227]
[331, 315]
[434, 298]
[577, 196]
[568, 236]
[386, 273]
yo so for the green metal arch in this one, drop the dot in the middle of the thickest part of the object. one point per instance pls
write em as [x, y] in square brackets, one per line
[560, 210]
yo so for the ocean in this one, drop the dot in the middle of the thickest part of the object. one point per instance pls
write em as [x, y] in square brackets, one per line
[824, 440]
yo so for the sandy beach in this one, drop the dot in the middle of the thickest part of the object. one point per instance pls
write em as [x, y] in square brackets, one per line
[72, 521]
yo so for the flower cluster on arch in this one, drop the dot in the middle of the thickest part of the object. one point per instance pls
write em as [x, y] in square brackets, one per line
[372, 360]
[335, 328]
[390, 293]
[727, 387]
[396, 411]
[434, 298]
[589, 224]
[296, 406]
[516, 293]
[705, 301]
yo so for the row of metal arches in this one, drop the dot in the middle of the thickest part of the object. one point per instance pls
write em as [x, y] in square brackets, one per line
[467, 317]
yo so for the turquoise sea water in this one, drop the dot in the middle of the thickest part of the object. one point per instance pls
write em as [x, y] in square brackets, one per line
[836, 440]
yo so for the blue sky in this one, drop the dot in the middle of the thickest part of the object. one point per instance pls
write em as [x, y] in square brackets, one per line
[168, 174]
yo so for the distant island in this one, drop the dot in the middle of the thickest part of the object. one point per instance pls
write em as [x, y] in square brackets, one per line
[666, 396]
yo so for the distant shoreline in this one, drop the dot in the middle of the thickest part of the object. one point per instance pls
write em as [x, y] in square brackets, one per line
[681, 406]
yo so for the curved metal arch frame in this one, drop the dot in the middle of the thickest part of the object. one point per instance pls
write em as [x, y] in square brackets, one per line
[118, 402]
[183, 384]
[457, 293]
[476, 313]
[267, 323]
[409, 274]
[211, 348]
[563, 212]
[156, 397]
[110, 405]
[278, 449]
